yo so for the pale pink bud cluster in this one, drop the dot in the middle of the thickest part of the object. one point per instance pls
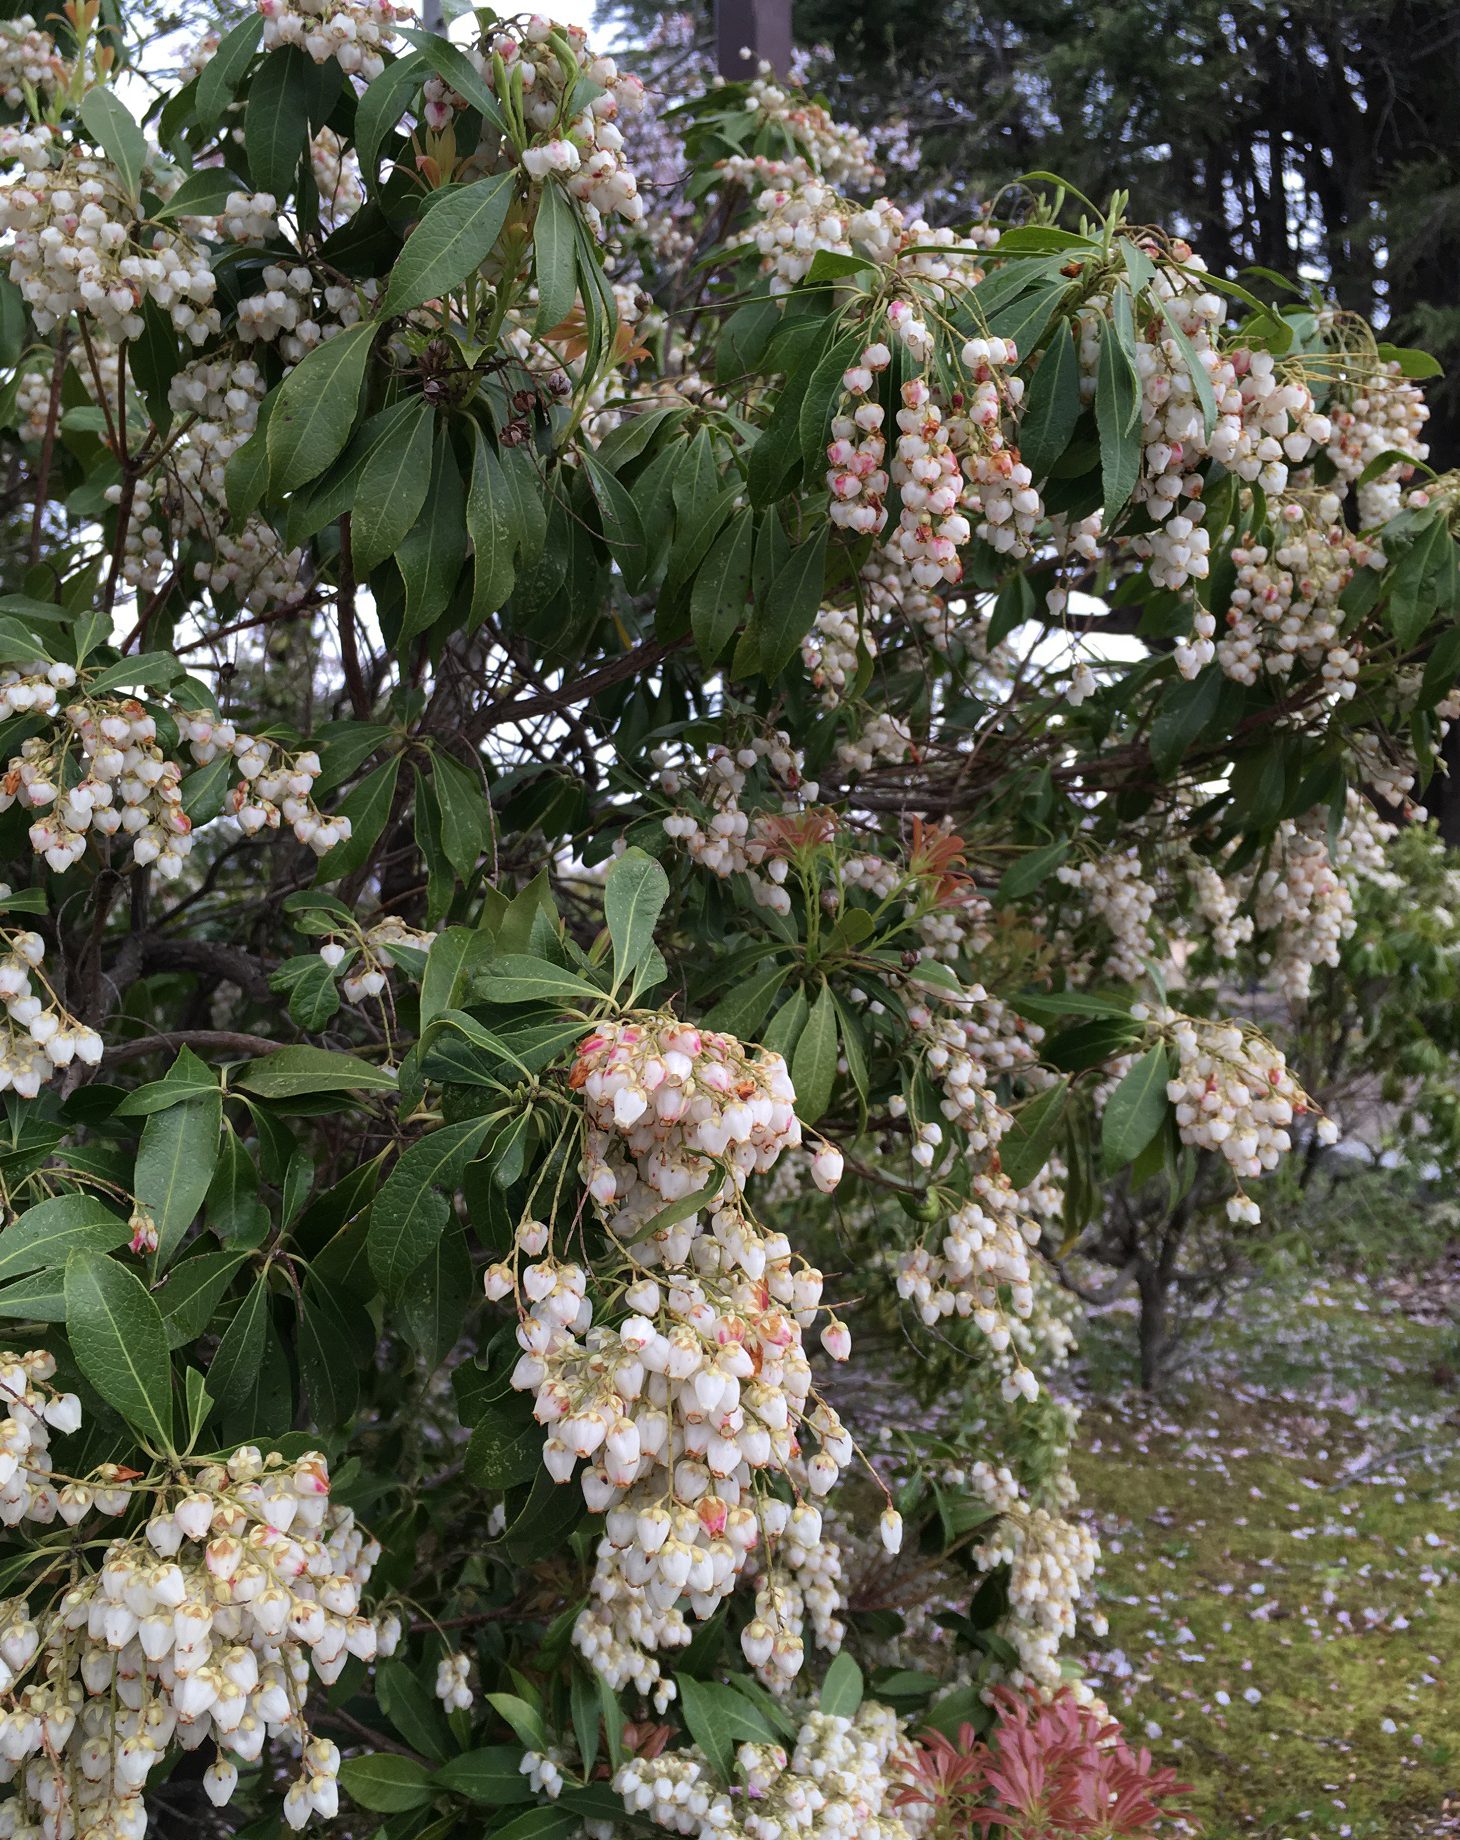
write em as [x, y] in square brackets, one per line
[667, 1104]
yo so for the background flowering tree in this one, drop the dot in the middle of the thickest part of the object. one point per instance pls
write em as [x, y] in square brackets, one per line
[575, 831]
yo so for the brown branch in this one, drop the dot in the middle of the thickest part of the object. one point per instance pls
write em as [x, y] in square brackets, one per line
[48, 449]
[345, 610]
[225, 1041]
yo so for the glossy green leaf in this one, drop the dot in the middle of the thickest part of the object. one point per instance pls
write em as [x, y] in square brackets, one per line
[392, 487]
[450, 242]
[116, 1333]
[316, 408]
[1136, 1110]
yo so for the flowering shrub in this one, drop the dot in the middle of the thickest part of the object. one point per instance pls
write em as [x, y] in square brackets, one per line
[576, 837]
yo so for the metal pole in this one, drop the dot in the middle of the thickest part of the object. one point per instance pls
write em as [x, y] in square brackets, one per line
[759, 28]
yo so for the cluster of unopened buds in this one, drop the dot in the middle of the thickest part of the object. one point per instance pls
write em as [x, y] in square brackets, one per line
[1119, 896]
[1375, 409]
[842, 1781]
[32, 1408]
[28, 56]
[72, 246]
[1284, 606]
[38, 1036]
[202, 1628]
[1050, 1561]
[728, 840]
[1302, 901]
[453, 1682]
[1233, 1093]
[544, 63]
[128, 784]
[379, 948]
[275, 787]
[183, 501]
[982, 1259]
[354, 33]
[666, 1103]
[690, 1407]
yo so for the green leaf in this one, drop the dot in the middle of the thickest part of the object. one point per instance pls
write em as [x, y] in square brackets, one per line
[491, 1775]
[634, 894]
[431, 555]
[187, 1078]
[841, 1688]
[722, 588]
[175, 1163]
[718, 1719]
[368, 806]
[1117, 418]
[505, 1449]
[465, 814]
[115, 1330]
[619, 520]
[525, 1720]
[437, 1294]
[330, 1378]
[290, 1073]
[489, 508]
[392, 486]
[543, 1824]
[1185, 714]
[202, 194]
[743, 1008]
[1052, 406]
[790, 608]
[142, 671]
[515, 978]
[1417, 364]
[408, 1215]
[276, 121]
[233, 1371]
[1025, 873]
[192, 1291]
[1136, 1110]
[310, 986]
[553, 242]
[450, 242]
[44, 1236]
[381, 107]
[224, 71]
[386, 1783]
[1025, 1147]
[316, 408]
[204, 792]
[38, 1298]
[109, 121]
[415, 1713]
[1200, 378]
[813, 1065]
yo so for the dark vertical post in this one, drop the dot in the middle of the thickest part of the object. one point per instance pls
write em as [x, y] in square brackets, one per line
[761, 27]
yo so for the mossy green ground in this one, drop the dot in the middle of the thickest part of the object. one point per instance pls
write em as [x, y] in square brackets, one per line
[1284, 1624]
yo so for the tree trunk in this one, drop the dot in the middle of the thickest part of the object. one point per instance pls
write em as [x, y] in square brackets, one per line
[1155, 1329]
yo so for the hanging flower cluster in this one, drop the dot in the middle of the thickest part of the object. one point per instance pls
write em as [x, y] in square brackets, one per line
[982, 1260]
[74, 249]
[28, 57]
[39, 1036]
[33, 1408]
[364, 963]
[352, 33]
[724, 838]
[202, 1630]
[181, 507]
[841, 1780]
[1233, 1093]
[692, 1405]
[541, 69]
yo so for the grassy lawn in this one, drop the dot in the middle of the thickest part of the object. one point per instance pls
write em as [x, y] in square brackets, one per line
[1282, 1563]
